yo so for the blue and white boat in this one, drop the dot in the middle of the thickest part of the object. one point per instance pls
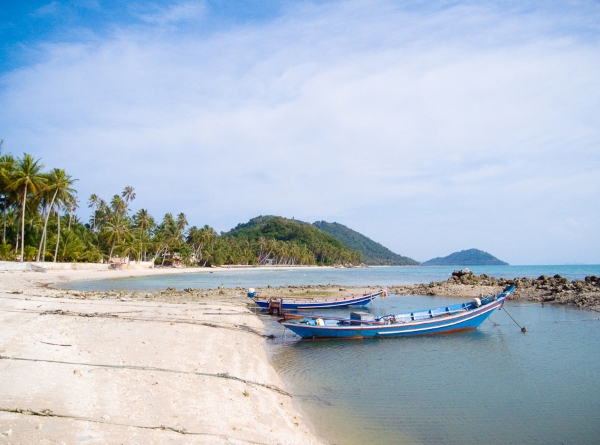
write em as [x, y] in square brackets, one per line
[315, 303]
[458, 317]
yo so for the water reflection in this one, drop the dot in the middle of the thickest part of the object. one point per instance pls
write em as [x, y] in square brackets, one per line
[491, 385]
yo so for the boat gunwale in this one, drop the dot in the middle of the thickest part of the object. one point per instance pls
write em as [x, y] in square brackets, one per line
[368, 326]
[292, 300]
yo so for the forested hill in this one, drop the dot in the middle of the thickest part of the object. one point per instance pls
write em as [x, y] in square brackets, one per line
[373, 253]
[278, 238]
[471, 257]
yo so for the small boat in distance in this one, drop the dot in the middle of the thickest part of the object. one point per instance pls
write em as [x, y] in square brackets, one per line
[314, 303]
[458, 317]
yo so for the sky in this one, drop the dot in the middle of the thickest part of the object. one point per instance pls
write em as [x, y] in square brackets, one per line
[430, 127]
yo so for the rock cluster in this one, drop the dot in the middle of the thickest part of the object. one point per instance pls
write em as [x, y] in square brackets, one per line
[582, 293]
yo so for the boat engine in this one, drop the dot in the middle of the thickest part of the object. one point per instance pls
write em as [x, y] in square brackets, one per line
[251, 292]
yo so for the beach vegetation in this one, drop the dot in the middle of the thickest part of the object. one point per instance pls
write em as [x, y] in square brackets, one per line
[40, 223]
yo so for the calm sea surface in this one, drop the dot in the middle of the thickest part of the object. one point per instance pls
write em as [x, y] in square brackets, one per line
[384, 276]
[494, 385]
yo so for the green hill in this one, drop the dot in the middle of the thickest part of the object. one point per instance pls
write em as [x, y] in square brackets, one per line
[471, 257]
[373, 253]
[295, 238]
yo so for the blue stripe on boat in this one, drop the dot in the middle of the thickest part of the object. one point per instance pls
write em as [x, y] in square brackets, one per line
[442, 320]
[297, 303]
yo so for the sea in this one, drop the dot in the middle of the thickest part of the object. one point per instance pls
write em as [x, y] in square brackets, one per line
[247, 277]
[493, 385]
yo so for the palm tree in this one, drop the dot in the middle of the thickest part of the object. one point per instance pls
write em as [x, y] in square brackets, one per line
[181, 223]
[143, 220]
[27, 176]
[71, 246]
[93, 203]
[71, 207]
[117, 229]
[59, 185]
[128, 194]
[7, 167]
[117, 205]
[102, 214]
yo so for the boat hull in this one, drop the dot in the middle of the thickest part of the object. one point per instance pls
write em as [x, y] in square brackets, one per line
[291, 303]
[455, 318]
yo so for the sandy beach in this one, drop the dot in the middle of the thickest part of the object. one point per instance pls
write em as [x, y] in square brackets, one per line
[85, 370]
[167, 366]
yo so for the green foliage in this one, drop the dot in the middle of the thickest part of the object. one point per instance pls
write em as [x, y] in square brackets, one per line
[38, 223]
[373, 253]
[471, 257]
[6, 251]
[289, 241]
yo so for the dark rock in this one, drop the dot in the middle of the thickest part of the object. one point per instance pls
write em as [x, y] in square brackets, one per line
[461, 273]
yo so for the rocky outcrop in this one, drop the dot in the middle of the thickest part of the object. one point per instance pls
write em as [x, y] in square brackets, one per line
[581, 293]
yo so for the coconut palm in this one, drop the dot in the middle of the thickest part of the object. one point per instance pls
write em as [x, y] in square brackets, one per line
[116, 229]
[71, 207]
[27, 177]
[102, 214]
[128, 194]
[7, 167]
[181, 223]
[93, 203]
[71, 247]
[143, 220]
[59, 186]
[117, 205]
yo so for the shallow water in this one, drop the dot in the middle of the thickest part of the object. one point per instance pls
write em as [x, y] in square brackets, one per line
[372, 276]
[494, 385]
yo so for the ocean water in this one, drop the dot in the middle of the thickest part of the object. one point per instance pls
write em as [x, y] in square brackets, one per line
[383, 276]
[494, 385]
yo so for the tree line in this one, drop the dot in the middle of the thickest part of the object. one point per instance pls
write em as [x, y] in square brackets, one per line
[40, 223]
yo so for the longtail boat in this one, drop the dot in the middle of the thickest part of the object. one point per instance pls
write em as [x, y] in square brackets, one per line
[458, 317]
[315, 303]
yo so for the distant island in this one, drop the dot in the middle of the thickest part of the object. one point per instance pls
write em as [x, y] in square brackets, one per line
[471, 257]
[373, 253]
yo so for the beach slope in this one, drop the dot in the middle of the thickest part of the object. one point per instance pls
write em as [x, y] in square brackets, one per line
[129, 371]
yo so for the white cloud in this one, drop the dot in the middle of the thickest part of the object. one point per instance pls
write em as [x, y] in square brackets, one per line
[171, 14]
[429, 131]
[51, 8]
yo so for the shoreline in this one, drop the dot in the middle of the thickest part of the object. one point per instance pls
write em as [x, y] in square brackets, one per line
[123, 370]
[218, 325]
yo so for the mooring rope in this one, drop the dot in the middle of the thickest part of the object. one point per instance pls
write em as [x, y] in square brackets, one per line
[113, 315]
[50, 413]
[523, 330]
[152, 368]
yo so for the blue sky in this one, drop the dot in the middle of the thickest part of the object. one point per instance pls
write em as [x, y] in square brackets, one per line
[430, 127]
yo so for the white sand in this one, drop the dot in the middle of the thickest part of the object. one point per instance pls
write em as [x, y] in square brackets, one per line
[125, 405]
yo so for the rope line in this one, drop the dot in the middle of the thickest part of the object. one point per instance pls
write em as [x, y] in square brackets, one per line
[242, 328]
[223, 375]
[523, 330]
[50, 413]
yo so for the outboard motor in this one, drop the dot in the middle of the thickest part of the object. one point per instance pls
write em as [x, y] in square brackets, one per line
[251, 292]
